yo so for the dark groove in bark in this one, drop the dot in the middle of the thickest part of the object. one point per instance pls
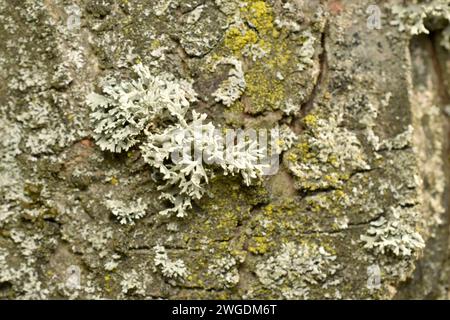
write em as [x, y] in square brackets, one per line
[323, 63]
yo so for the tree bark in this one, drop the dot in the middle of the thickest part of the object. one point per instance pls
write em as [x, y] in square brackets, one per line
[358, 208]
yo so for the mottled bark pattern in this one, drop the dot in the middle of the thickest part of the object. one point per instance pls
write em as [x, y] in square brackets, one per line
[357, 209]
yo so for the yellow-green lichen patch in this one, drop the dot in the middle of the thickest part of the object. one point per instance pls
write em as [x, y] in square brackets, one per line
[269, 56]
[263, 91]
[255, 29]
[259, 245]
[310, 121]
[286, 220]
[260, 15]
[227, 205]
[236, 39]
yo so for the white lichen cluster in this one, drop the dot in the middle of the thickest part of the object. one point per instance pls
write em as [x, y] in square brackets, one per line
[48, 128]
[398, 142]
[162, 6]
[169, 268]
[397, 235]
[289, 108]
[295, 268]
[126, 108]
[152, 110]
[112, 263]
[132, 282]
[195, 15]
[289, 17]
[232, 88]
[126, 212]
[98, 237]
[411, 18]
[286, 140]
[11, 181]
[184, 174]
[224, 270]
[21, 272]
[338, 146]
[306, 52]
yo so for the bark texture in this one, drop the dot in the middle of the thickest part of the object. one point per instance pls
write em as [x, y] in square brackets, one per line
[357, 209]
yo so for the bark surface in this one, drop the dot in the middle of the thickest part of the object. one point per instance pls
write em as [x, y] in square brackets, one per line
[357, 209]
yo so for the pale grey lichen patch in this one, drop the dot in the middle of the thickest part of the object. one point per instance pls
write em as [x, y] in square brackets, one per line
[10, 174]
[224, 270]
[295, 268]
[48, 129]
[98, 237]
[398, 234]
[198, 38]
[194, 16]
[289, 108]
[28, 244]
[400, 141]
[411, 18]
[325, 155]
[232, 88]
[40, 79]
[126, 212]
[20, 269]
[162, 6]
[132, 282]
[226, 6]
[292, 15]
[306, 52]
[287, 138]
[113, 263]
[168, 267]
